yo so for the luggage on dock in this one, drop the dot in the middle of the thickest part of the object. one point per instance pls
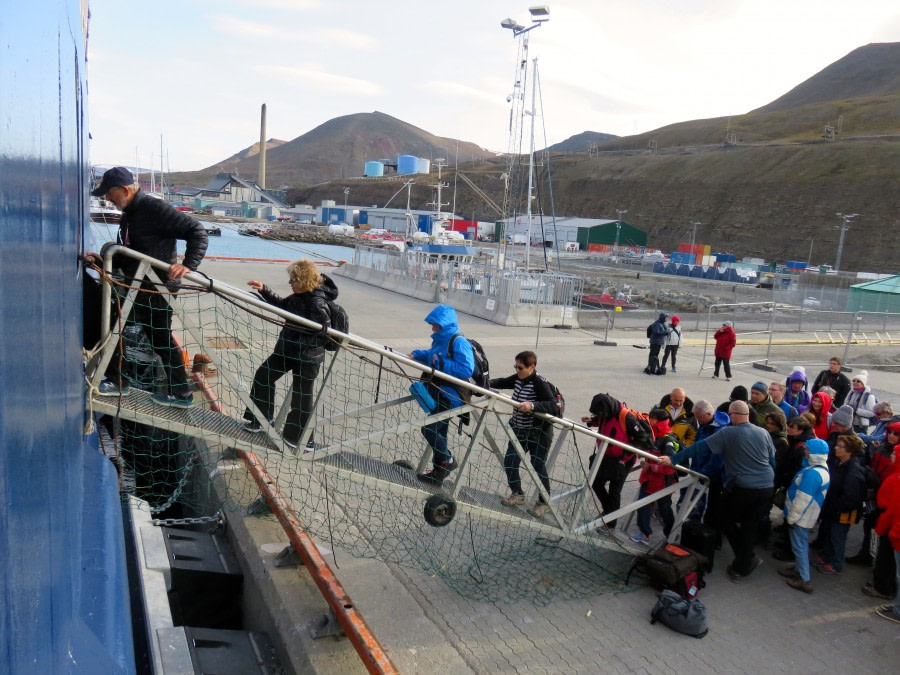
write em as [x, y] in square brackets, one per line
[702, 539]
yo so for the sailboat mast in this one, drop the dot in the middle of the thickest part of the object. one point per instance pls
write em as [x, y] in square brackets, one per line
[530, 195]
[162, 180]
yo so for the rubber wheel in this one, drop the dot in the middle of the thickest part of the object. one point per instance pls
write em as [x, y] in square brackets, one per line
[439, 510]
[403, 464]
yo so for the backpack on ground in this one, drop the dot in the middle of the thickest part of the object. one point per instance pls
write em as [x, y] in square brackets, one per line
[339, 322]
[481, 375]
[696, 536]
[680, 614]
[677, 569]
[557, 394]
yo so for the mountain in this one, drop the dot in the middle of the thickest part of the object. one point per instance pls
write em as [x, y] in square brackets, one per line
[869, 71]
[252, 151]
[583, 141]
[770, 192]
[339, 148]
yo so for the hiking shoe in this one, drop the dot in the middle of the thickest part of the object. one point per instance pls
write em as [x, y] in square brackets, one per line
[863, 559]
[172, 401]
[873, 592]
[674, 369]
[728, 379]
[539, 510]
[253, 427]
[800, 585]
[640, 538]
[825, 568]
[312, 446]
[887, 612]
[436, 476]
[788, 571]
[290, 445]
[734, 576]
[513, 500]
[783, 556]
[715, 377]
[110, 388]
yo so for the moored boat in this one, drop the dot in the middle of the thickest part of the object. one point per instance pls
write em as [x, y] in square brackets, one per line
[104, 211]
[607, 301]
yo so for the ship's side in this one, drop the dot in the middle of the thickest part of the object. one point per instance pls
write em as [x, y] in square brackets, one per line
[63, 585]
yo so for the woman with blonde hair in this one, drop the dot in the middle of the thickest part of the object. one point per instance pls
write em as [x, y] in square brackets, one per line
[298, 350]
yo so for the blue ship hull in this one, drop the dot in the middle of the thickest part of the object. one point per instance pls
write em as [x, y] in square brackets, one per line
[63, 577]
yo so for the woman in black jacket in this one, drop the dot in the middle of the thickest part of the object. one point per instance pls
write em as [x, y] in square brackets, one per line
[299, 350]
[843, 502]
[533, 394]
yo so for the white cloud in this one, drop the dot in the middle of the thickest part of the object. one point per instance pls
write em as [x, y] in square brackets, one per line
[314, 78]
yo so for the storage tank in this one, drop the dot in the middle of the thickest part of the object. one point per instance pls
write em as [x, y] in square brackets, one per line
[424, 165]
[374, 169]
[407, 164]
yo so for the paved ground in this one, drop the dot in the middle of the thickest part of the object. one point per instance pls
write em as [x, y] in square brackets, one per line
[759, 625]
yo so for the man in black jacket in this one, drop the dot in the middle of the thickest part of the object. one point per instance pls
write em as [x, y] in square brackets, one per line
[834, 378]
[152, 226]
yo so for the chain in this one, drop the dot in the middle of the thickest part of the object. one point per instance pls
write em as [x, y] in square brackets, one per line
[178, 488]
[218, 518]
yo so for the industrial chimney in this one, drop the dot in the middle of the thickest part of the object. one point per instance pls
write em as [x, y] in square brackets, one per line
[262, 147]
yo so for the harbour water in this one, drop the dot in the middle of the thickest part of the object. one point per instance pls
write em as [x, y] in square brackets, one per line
[232, 245]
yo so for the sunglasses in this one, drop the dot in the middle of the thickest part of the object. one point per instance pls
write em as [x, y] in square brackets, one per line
[519, 367]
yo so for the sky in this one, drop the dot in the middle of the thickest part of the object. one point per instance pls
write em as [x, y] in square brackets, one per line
[195, 72]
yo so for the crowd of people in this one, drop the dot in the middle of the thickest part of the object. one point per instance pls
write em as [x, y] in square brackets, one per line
[824, 455]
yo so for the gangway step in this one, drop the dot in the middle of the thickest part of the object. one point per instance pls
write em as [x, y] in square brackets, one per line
[405, 478]
[196, 421]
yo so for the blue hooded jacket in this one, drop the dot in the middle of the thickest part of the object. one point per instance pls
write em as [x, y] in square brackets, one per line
[461, 366]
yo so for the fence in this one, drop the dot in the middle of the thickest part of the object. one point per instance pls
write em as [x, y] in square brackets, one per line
[350, 475]
[844, 330]
[510, 286]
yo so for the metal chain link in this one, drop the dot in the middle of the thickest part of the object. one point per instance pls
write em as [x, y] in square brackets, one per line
[178, 488]
[218, 518]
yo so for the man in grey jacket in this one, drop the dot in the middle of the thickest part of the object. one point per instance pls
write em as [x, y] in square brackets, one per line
[749, 456]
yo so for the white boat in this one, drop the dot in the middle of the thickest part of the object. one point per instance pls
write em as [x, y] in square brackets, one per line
[104, 211]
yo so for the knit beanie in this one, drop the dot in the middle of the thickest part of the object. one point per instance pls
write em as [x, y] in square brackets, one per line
[760, 386]
[843, 416]
[676, 319]
[817, 446]
[862, 376]
[739, 393]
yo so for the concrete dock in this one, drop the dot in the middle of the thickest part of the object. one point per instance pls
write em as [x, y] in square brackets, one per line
[758, 625]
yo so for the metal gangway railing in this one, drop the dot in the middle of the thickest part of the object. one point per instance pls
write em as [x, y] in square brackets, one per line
[367, 428]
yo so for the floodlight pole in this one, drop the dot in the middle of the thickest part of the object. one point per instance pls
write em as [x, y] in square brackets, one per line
[845, 225]
[619, 214]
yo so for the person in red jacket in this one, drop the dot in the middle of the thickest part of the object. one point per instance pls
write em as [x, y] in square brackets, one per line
[886, 463]
[888, 525]
[654, 477]
[725, 341]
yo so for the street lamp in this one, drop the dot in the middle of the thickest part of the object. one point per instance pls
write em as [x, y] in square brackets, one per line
[845, 225]
[695, 223]
[346, 194]
[619, 213]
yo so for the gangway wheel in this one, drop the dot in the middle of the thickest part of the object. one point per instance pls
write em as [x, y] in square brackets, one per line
[439, 510]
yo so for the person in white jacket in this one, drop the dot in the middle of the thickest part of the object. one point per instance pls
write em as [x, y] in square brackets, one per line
[673, 342]
[863, 401]
[802, 506]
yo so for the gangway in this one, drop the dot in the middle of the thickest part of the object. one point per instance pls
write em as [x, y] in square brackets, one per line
[367, 427]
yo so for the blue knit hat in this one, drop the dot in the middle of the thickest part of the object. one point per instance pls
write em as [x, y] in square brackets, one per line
[817, 446]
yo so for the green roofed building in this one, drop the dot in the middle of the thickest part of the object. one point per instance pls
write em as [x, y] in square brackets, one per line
[604, 234]
[881, 295]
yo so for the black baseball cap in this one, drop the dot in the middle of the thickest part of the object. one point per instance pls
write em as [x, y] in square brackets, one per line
[118, 176]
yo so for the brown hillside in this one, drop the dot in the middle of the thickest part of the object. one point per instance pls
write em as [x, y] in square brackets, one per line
[340, 148]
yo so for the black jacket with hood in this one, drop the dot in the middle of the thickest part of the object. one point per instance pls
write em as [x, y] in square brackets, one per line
[294, 340]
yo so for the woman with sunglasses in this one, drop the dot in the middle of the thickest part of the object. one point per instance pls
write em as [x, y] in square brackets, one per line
[532, 393]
